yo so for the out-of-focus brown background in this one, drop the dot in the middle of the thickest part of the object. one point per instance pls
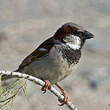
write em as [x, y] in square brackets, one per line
[24, 24]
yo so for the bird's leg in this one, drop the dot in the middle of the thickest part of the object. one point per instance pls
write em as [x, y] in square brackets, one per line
[65, 101]
[46, 86]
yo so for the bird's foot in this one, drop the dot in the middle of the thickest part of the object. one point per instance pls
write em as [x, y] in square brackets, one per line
[65, 100]
[46, 86]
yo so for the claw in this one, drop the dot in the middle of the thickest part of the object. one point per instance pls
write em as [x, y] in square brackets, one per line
[65, 100]
[46, 86]
[44, 90]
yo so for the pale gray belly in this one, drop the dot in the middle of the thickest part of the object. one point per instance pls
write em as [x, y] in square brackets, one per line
[53, 68]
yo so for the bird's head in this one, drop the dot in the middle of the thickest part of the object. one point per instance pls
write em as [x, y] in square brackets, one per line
[72, 35]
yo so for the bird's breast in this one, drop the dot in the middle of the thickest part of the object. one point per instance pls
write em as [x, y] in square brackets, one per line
[64, 60]
[54, 67]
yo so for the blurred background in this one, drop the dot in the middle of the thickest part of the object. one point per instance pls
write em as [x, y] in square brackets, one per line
[24, 24]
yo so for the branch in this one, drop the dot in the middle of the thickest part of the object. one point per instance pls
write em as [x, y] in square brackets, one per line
[39, 82]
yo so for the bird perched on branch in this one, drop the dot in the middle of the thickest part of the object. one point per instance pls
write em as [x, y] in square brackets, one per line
[56, 57]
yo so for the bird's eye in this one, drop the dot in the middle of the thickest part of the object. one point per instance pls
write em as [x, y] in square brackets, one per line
[75, 33]
[80, 33]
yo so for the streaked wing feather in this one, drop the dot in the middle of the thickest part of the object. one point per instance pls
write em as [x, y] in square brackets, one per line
[38, 54]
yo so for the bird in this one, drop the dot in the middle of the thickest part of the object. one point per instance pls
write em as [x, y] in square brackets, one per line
[57, 56]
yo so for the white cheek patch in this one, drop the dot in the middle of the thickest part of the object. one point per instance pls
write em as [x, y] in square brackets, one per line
[75, 43]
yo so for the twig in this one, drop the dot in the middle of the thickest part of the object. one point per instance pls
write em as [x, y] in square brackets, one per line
[39, 82]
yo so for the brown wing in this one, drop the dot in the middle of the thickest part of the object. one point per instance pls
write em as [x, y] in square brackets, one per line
[40, 52]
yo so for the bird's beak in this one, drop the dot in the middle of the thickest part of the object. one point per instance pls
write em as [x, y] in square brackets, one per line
[88, 35]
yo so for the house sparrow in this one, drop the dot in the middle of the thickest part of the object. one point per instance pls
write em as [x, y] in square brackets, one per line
[56, 57]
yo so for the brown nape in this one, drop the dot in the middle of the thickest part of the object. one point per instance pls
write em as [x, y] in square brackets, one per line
[64, 31]
[60, 34]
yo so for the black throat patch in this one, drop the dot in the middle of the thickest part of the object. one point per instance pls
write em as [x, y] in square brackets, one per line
[72, 56]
